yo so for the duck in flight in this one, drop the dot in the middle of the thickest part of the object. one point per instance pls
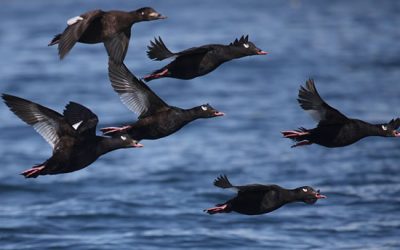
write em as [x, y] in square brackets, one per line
[198, 61]
[71, 135]
[157, 119]
[334, 129]
[255, 199]
[113, 28]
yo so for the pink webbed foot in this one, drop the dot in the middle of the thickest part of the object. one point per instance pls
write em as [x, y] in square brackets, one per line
[293, 133]
[302, 143]
[156, 75]
[110, 130]
[32, 172]
[217, 209]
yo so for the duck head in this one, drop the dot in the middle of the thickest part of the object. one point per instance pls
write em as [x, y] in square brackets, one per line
[149, 14]
[206, 111]
[128, 142]
[308, 194]
[246, 47]
[390, 129]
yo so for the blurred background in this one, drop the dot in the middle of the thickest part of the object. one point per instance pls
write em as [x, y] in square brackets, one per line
[153, 197]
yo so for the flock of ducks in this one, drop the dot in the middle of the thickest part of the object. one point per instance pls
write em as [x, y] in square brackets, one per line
[72, 134]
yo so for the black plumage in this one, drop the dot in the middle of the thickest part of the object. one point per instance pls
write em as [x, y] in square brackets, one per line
[72, 136]
[198, 61]
[255, 199]
[113, 28]
[156, 118]
[334, 129]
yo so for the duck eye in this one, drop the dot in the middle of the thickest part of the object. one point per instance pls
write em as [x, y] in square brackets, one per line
[204, 108]
[142, 13]
[246, 45]
[123, 137]
[384, 127]
[304, 190]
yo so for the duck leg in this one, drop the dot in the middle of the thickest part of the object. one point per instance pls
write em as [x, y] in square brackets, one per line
[302, 143]
[217, 209]
[110, 130]
[156, 75]
[294, 133]
[33, 172]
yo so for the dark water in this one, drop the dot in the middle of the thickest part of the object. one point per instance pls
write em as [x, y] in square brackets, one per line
[152, 198]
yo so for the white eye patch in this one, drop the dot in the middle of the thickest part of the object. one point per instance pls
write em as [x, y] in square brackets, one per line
[246, 45]
[204, 108]
[304, 190]
[76, 125]
[384, 127]
[123, 137]
[142, 13]
[74, 20]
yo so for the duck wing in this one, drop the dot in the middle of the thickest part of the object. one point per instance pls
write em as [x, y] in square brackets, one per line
[76, 27]
[117, 46]
[82, 119]
[310, 100]
[134, 93]
[48, 123]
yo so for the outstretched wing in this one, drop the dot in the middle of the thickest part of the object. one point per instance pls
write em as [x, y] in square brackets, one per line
[81, 118]
[76, 27]
[117, 46]
[46, 122]
[320, 111]
[134, 93]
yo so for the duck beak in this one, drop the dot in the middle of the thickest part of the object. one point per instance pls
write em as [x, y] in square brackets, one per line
[319, 196]
[396, 133]
[217, 113]
[137, 145]
[261, 52]
[157, 15]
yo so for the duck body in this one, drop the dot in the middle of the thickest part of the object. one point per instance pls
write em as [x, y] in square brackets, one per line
[157, 119]
[71, 135]
[334, 129]
[198, 61]
[256, 199]
[113, 28]
[160, 125]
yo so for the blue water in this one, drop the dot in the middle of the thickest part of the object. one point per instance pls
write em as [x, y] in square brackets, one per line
[152, 198]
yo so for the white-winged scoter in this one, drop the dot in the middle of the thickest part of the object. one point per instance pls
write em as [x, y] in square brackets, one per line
[156, 118]
[113, 28]
[71, 135]
[198, 61]
[255, 199]
[334, 129]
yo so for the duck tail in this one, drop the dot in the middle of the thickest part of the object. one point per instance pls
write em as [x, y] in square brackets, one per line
[55, 40]
[223, 182]
[158, 51]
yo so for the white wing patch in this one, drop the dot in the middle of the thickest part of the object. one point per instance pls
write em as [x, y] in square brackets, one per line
[76, 125]
[74, 20]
